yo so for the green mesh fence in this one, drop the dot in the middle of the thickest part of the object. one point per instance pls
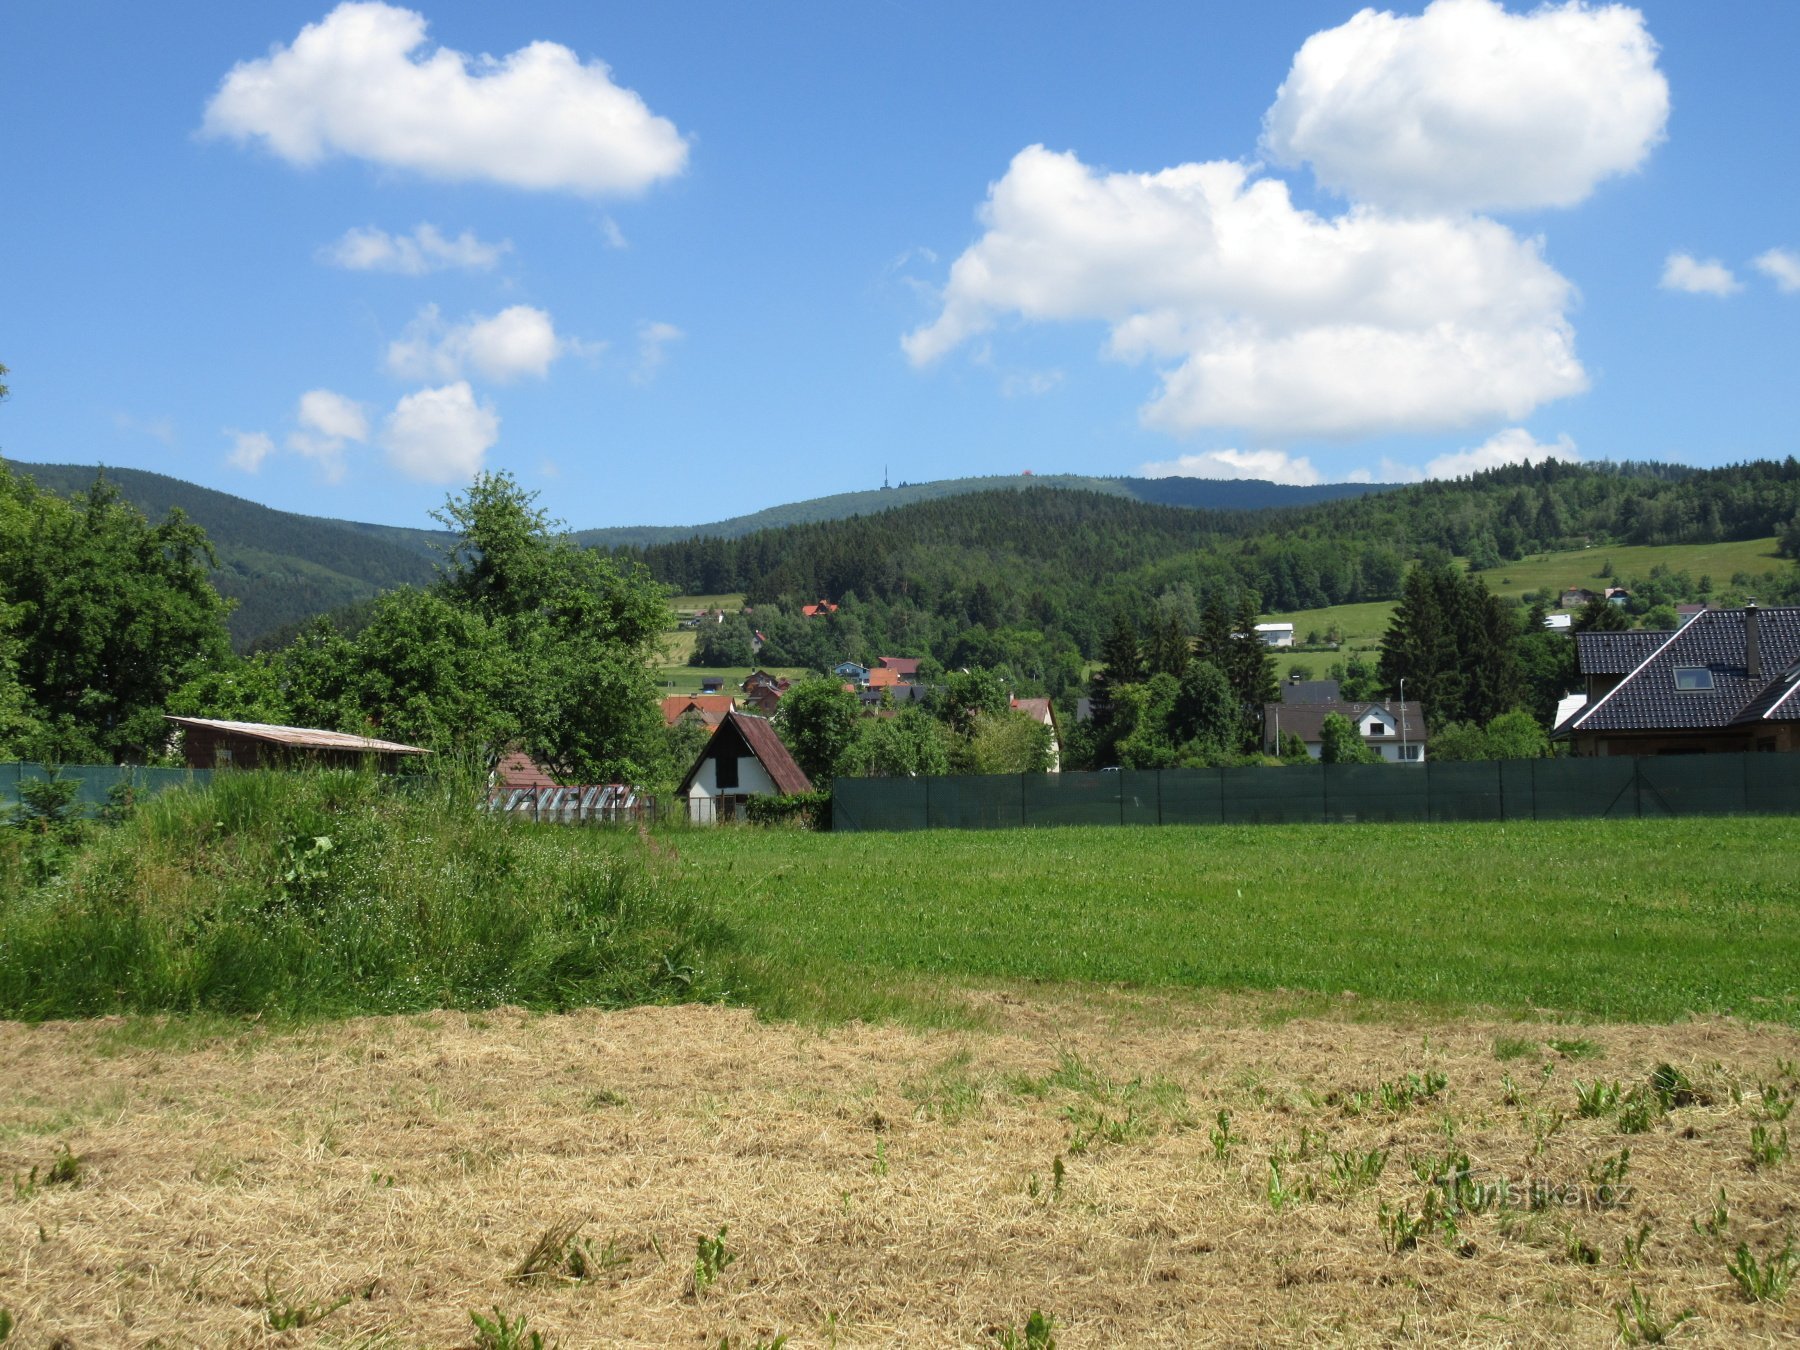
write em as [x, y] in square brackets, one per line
[1469, 791]
[1195, 797]
[1071, 798]
[1692, 785]
[97, 781]
[1563, 788]
[1378, 792]
[1771, 785]
[1543, 789]
[878, 804]
[1140, 796]
[1294, 795]
[985, 802]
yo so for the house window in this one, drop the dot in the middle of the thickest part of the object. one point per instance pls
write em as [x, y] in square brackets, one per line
[726, 769]
[1690, 678]
[1411, 751]
[221, 757]
[1375, 729]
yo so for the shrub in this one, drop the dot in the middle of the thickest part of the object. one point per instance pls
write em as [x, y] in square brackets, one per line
[803, 810]
[333, 893]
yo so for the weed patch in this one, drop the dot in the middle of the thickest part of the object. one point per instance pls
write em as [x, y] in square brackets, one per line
[331, 893]
[1767, 1280]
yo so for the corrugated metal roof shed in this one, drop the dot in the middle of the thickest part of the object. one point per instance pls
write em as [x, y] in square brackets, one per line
[298, 738]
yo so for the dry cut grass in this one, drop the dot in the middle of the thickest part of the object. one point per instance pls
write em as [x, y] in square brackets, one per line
[685, 1175]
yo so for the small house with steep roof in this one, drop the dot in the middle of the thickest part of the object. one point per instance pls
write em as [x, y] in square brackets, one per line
[745, 758]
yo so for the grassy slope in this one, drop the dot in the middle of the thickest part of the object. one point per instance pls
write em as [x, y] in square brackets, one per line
[1363, 625]
[676, 676]
[1615, 919]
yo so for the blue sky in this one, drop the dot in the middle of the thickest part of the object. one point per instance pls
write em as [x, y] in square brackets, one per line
[668, 264]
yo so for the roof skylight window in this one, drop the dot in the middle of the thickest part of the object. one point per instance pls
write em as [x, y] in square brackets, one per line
[1689, 678]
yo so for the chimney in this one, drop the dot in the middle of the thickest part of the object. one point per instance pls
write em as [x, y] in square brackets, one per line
[1752, 642]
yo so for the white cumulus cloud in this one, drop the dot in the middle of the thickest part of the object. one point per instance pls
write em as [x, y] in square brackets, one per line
[1263, 316]
[1273, 466]
[1782, 266]
[440, 435]
[1684, 272]
[1466, 107]
[1515, 445]
[361, 82]
[327, 423]
[518, 341]
[426, 249]
[249, 449]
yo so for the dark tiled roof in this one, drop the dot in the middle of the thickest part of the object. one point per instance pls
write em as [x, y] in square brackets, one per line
[1307, 720]
[1780, 702]
[1647, 699]
[1618, 653]
[1310, 691]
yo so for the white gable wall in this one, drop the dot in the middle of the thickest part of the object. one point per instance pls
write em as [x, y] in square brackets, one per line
[753, 779]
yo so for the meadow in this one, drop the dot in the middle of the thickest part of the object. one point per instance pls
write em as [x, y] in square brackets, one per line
[1637, 919]
[1521, 1083]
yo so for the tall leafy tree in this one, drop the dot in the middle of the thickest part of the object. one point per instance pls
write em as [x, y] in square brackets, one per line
[112, 615]
[1339, 742]
[910, 744]
[1205, 716]
[818, 721]
[1121, 663]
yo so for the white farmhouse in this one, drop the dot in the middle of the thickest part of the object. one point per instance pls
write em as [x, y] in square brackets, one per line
[1276, 634]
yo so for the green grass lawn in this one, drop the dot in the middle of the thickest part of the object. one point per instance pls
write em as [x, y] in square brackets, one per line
[1615, 919]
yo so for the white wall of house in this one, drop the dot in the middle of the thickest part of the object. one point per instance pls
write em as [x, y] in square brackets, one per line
[1276, 634]
[704, 806]
[1389, 749]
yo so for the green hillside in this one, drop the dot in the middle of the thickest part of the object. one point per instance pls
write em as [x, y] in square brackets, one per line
[1199, 493]
[281, 568]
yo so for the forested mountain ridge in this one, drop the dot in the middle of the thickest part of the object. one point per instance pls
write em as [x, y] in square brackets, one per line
[1210, 493]
[1046, 555]
[280, 567]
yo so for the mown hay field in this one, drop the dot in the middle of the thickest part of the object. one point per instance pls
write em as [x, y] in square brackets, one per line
[1491, 1084]
[374, 1182]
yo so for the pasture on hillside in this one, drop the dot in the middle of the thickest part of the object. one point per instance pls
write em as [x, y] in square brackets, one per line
[1363, 625]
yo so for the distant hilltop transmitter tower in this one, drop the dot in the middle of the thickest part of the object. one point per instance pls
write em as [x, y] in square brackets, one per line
[885, 485]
